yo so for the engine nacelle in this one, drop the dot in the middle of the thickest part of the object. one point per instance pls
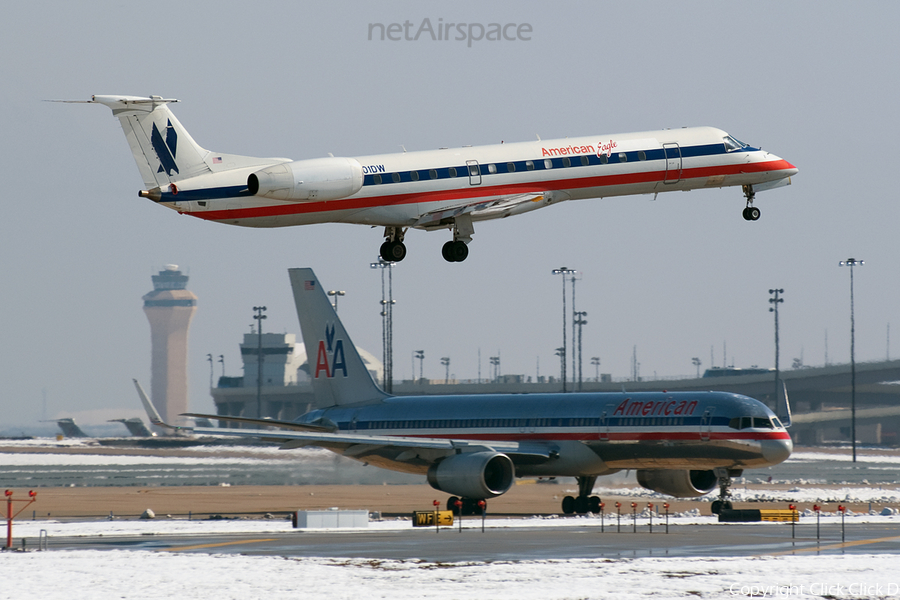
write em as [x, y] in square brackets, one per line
[473, 475]
[316, 179]
[680, 484]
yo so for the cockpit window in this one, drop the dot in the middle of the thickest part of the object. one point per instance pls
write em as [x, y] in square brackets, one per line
[752, 422]
[778, 424]
[732, 144]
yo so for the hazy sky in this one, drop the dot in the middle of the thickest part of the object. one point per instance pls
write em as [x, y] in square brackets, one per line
[814, 82]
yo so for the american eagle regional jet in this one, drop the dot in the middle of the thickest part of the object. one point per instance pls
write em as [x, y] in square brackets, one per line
[684, 444]
[449, 188]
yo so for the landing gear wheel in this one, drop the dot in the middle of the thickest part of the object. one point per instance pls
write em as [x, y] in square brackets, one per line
[752, 213]
[594, 504]
[455, 251]
[451, 505]
[582, 505]
[716, 507]
[746, 214]
[568, 505]
[393, 251]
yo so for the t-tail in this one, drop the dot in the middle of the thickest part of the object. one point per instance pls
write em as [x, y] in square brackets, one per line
[338, 373]
[173, 166]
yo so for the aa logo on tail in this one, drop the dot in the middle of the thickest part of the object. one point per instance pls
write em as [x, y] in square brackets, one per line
[165, 149]
[332, 349]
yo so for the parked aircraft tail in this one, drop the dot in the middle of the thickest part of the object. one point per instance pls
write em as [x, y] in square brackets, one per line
[338, 373]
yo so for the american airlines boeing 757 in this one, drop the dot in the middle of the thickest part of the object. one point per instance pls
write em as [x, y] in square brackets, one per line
[684, 444]
[449, 188]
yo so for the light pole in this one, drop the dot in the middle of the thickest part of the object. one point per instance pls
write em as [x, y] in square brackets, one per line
[259, 316]
[696, 362]
[852, 262]
[579, 321]
[387, 324]
[420, 354]
[495, 362]
[446, 362]
[595, 360]
[210, 359]
[561, 353]
[564, 271]
[775, 300]
[222, 360]
[336, 293]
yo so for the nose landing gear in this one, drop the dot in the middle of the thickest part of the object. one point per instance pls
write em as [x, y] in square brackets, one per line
[725, 481]
[751, 213]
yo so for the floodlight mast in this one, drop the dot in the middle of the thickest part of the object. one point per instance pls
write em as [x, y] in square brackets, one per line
[852, 262]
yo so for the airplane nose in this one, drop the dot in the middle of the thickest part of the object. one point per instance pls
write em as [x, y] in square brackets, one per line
[777, 451]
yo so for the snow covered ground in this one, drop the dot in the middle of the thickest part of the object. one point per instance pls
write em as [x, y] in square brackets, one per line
[101, 575]
[148, 575]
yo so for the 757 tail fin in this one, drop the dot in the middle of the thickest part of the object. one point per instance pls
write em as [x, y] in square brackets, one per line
[338, 373]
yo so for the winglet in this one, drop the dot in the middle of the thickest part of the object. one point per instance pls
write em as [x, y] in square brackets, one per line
[151, 410]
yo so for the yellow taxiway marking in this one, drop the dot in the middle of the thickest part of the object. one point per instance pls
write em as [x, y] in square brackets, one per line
[216, 545]
[838, 546]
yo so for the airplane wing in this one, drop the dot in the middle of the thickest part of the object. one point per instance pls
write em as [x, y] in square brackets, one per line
[265, 422]
[490, 208]
[359, 445]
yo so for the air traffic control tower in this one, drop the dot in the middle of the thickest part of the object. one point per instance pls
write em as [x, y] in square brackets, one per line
[169, 308]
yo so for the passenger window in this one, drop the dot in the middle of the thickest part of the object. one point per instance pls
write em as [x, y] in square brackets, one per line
[603, 159]
[413, 175]
[473, 171]
[492, 169]
[395, 177]
[584, 161]
[376, 179]
[452, 171]
[623, 157]
[529, 164]
[642, 155]
[567, 162]
[432, 173]
[511, 167]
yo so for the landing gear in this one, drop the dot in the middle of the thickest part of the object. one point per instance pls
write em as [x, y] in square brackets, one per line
[750, 213]
[584, 503]
[393, 249]
[455, 251]
[725, 481]
[469, 506]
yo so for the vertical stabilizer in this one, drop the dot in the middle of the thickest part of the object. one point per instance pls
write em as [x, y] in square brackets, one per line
[338, 373]
[164, 151]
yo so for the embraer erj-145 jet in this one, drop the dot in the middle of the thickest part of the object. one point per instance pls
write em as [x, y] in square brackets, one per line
[474, 446]
[449, 188]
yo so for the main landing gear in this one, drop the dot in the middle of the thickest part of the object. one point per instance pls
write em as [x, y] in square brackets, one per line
[751, 213]
[725, 481]
[584, 503]
[456, 250]
[393, 249]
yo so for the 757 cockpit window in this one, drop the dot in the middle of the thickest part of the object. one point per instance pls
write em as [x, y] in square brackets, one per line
[732, 144]
[751, 423]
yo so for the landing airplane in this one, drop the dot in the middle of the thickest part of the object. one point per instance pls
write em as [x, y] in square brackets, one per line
[430, 190]
[474, 446]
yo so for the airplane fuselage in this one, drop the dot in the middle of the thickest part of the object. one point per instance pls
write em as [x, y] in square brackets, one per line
[413, 189]
[585, 433]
